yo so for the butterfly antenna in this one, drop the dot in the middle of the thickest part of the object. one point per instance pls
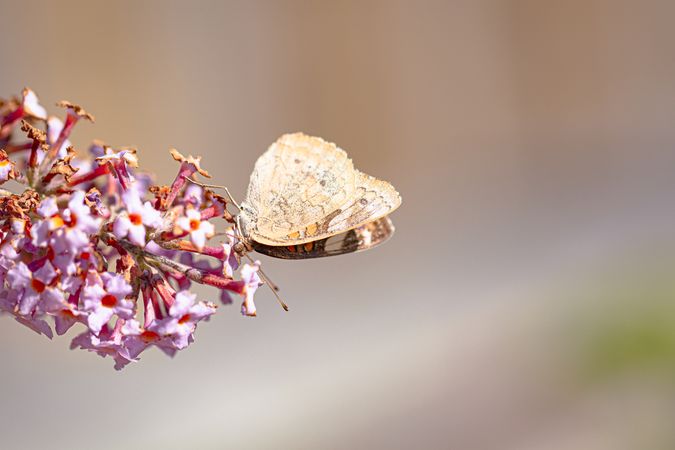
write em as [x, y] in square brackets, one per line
[273, 287]
[215, 186]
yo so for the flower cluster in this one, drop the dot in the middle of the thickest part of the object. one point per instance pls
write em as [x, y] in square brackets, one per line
[91, 241]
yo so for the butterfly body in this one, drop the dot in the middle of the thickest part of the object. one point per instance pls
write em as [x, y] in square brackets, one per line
[305, 200]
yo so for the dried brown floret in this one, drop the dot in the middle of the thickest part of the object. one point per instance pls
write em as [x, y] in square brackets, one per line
[92, 193]
[19, 205]
[161, 193]
[189, 160]
[76, 109]
[210, 195]
[126, 155]
[63, 167]
[33, 133]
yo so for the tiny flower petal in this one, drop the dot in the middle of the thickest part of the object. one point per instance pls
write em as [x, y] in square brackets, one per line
[249, 274]
[6, 168]
[137, 234]
[31, 105]
[48, 207]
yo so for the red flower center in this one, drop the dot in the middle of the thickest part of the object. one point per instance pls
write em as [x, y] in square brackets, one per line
[194, 224]
[66, 313]
[184, 319]
[73, 220]
[84, 255]
[37, 285]
[149, 336]
[136, 219]
[109, 301]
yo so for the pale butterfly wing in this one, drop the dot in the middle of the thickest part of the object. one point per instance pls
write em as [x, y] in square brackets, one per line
[304, 189]
[296, 182]
[371, 200]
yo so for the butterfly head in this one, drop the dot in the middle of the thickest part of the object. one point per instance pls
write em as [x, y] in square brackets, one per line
[241, 248]
[243, 244]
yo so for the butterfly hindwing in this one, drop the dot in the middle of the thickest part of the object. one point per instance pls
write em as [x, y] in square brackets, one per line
[361, 238]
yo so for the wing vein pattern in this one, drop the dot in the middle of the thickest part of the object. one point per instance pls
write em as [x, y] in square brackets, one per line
[303, 189]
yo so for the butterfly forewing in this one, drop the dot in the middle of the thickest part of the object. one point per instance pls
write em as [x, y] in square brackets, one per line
[296, 183]
[305, 191]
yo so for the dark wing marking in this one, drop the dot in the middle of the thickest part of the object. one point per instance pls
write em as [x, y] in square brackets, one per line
[360, 238]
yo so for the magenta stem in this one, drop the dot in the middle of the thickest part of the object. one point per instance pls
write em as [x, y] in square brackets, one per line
[97, 172]
[148, 304]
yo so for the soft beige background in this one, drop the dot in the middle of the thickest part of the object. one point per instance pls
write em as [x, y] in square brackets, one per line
[526, 300]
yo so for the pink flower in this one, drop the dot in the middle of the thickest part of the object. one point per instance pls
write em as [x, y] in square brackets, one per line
[65, 316]
[249, 274]
[107, 343]
[79, 224]
[183, 317]
[104, 297]
[33, 287]
[78, 215]
[137, 216]
[137, 339]
[8, 258]
[83, 247]
[230, 259]
[8, 301]
[120, 162]
[193, 195]
[126, 156]
[66, 231]
[17, 225]
[66, 313]
[40, 232]
[48, 207]
[199, 229]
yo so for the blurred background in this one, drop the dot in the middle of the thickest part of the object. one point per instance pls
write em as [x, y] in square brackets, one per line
[527, 298]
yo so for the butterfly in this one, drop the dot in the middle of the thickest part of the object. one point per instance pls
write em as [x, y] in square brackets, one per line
[306, 200]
